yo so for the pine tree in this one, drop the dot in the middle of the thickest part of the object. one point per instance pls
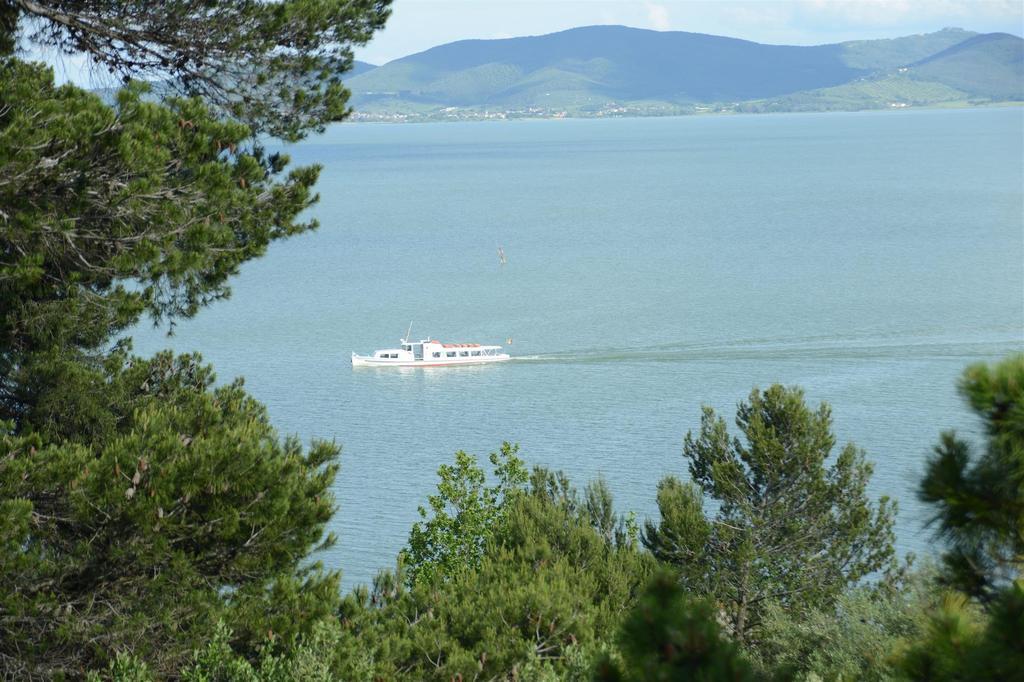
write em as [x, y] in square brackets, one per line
[786, 528]
[979, 498]
[275, 66]
[979, 503]
[671, 636]
[108, 213]
[196, 512]
[153, 214]
[139, 505]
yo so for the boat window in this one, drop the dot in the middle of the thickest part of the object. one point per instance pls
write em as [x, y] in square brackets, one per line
[464, 353]
[437, 355]
[450, 354]
[475, 353]
[406, 347]
[394, 355]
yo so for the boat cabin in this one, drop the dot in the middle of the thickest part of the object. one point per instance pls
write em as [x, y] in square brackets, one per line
[428, 352]
[392, 354]
[431, 350]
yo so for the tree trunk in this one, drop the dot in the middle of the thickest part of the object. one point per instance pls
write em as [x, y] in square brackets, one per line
[740, 624]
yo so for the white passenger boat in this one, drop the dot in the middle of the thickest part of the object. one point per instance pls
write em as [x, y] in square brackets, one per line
[430, 353]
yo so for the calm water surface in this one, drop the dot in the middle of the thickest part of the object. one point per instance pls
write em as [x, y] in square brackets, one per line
[654, 265]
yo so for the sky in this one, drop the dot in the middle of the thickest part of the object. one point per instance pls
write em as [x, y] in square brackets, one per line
[416, 25]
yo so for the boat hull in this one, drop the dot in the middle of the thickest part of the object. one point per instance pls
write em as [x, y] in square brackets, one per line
[367, 361]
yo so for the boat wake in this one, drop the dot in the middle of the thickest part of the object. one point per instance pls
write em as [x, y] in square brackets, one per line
[837, 349]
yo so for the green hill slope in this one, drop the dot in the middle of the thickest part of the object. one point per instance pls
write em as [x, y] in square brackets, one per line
[890, 91]
[892, 53]
[990, 66]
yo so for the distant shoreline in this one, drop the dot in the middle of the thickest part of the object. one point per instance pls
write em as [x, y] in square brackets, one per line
[469, 115]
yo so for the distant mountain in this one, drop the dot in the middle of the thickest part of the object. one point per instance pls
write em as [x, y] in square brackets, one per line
[359, 67]
[610, 62]
[606, 69]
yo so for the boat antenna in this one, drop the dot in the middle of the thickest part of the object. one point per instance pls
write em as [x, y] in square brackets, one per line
[408, 334]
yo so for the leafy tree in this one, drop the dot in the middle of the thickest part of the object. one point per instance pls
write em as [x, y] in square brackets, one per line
[465, 514]
[787, 528]
[670, 636]
[979, 499]
[275, 66]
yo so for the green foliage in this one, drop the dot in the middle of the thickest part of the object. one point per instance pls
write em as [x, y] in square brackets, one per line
[684, 532]
[195, 511]
[962, 643]
[979, 499]
[787, 528]
[671, 636]
[979, 503]
[273, 65]
[139, 506]
[124, 668]
[597, 507]
[857, 638]
[155, 213]
[540, 602]
[463, 515]
[307, 660]
[953, 632]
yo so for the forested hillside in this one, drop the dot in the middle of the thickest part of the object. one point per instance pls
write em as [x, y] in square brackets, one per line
[990, 66]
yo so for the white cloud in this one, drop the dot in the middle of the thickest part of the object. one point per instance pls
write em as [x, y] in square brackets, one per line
[744, 16]
[657, 16]
[889, 12]
[606, 16]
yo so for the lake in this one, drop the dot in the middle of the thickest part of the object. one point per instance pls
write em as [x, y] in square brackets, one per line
[654, 265]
